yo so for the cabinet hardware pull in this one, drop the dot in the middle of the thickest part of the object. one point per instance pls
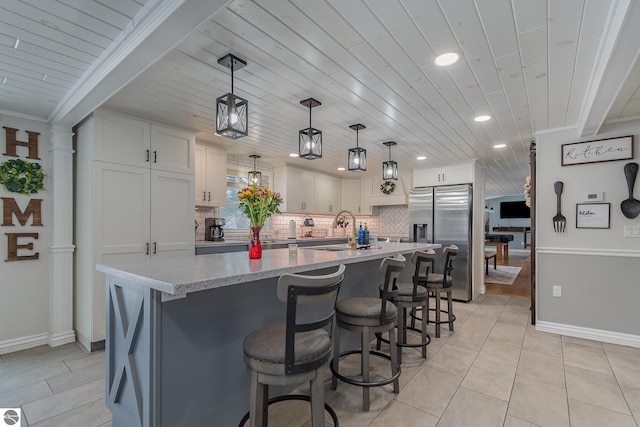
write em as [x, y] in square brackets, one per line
[147, 248]
[155, 248]
[204, 196]
[147, 155]
[209, 196]
[442, 176]
[155, 156]
[438, 177]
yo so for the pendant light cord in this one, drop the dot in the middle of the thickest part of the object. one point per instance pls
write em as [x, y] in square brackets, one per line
[232, 75]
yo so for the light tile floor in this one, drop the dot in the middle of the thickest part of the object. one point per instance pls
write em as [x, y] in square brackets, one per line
[494, 370]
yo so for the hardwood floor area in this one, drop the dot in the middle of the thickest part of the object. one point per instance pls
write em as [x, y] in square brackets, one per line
[522, 285]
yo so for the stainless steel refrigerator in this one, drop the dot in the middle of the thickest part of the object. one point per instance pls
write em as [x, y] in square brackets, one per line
[444, 215]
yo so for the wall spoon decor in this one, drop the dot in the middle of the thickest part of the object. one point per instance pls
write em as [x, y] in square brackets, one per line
[630, 207]
[559, 221]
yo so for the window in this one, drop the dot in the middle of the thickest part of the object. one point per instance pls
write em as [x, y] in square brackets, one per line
[237, 179]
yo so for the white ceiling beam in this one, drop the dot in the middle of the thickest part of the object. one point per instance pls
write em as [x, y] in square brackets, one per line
[616, 58]
[140, 46]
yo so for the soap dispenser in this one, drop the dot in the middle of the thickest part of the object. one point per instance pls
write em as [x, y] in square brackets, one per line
[365, 235]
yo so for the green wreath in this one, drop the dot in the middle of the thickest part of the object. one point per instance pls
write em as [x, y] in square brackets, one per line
[387, 187]
[18, 176]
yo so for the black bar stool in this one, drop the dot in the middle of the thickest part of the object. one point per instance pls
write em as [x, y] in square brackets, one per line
[296, 351]
[412, 296]
[442, 282]
[366, 316]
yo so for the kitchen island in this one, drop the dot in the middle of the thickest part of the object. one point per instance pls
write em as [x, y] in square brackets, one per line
[175, 327]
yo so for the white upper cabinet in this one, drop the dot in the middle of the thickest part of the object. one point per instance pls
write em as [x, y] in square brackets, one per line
[327, 194]
[307, 192]
[459, 173]
[211, 176]
[172, 150]
[350, 195]
[133, 142]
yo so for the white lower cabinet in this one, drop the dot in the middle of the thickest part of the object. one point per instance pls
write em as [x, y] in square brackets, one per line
[124, 212]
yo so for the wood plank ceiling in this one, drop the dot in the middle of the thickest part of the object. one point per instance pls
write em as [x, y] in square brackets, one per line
[533, 65]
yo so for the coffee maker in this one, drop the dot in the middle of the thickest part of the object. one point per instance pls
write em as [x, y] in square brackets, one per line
[213, 229]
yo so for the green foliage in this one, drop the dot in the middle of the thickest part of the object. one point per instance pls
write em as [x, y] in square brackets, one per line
[19, 176]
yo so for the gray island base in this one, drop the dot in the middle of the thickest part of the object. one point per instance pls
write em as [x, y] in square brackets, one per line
[175, 327]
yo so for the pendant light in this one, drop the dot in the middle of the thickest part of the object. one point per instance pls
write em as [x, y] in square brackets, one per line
[310, 140]
[357, 156]
[389, 168]
[232, 111]
[255, 177]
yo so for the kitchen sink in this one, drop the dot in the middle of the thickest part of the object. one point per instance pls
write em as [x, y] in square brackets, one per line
[331, 248]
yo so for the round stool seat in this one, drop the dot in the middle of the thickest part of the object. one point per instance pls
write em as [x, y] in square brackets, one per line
[435, 280]
[264, 349]
[405, 292]
[364, 311]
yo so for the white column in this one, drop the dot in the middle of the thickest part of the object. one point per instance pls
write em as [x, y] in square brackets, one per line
[61, 249]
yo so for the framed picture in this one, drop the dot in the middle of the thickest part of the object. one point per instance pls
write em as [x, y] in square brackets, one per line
[592, 215]
[603, 150]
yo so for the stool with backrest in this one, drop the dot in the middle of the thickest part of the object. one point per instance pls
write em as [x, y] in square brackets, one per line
[442, 282]
[411, 296]
[367, 316]
[296, 351]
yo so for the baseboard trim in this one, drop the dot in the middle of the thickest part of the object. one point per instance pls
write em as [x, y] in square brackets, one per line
[23, 343]
[62, 338]
[589, 334]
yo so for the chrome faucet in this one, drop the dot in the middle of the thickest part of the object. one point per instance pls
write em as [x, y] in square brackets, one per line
[353, 242]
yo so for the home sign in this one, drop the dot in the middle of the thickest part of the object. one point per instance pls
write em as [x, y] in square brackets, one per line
[21, 177]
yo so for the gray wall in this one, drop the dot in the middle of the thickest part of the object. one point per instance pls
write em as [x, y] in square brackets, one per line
[598, 269]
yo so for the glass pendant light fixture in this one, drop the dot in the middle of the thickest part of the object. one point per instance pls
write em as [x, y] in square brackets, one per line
[255, 177]
[232, 119]
[310, 139]
[357, 156]
[389, 168]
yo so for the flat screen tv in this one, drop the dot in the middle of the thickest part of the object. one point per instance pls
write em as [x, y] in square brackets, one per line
[514, 210]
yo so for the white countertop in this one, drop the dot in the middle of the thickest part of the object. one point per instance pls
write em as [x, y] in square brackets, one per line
[185, 274]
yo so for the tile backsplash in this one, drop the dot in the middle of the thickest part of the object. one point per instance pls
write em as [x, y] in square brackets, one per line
[393, 221]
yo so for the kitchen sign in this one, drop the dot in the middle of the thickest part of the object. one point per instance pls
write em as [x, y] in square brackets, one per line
[21, 177]
[604, 150]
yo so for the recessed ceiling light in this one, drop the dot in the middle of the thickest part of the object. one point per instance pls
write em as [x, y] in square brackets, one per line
[421, 158]
[482, 118]
[293, 155]
[499, 145]
[341, 169]
[446, 59]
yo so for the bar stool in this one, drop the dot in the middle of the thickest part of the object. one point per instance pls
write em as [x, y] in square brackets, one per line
[442, 282]
[412, 296]
[368, 315]
[296, 351]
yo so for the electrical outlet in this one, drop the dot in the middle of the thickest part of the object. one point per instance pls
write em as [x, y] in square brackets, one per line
[557, 291]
